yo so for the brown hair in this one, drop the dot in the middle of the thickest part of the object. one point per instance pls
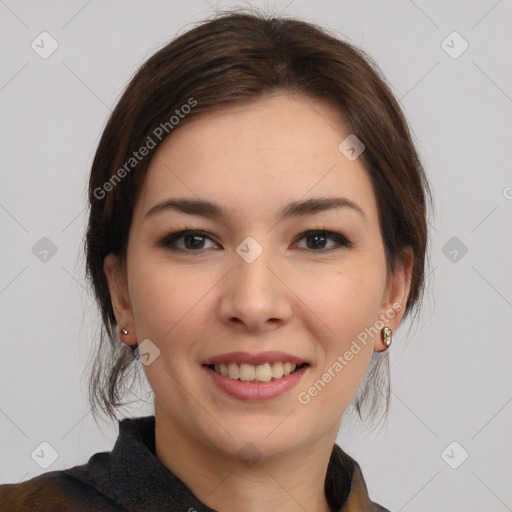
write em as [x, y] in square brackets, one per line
[235, 57]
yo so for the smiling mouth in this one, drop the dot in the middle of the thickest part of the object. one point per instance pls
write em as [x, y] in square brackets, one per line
[266, 372]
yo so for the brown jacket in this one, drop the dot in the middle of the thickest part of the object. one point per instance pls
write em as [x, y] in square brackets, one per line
[131, 478]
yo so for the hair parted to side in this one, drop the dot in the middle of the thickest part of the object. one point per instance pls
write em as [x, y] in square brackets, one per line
[234, 57]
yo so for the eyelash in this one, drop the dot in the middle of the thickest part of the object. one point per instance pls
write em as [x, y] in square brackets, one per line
[170, 239]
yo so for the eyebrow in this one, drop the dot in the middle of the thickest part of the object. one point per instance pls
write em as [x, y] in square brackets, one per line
[294, 209]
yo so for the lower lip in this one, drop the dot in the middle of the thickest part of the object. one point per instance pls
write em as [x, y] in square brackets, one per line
[256, 391]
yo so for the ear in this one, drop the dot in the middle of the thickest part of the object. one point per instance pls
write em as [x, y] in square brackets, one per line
[395, 296]
[115, 273]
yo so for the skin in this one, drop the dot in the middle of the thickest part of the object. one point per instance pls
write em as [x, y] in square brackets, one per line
[312, 300]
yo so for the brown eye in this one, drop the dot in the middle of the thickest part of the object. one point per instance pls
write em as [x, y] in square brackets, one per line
[319, 240]
[193, 241]
[186, 241]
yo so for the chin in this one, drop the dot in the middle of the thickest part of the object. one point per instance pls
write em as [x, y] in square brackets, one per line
[262, 437]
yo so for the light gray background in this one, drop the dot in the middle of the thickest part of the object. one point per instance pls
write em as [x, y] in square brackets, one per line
[450, 377]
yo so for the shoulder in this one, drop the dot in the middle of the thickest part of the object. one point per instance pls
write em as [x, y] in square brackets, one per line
[53, 491]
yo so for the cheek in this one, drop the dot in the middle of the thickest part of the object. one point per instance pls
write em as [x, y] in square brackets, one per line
[344, 307]
[344, 346]
[347, 301]
[167, 301]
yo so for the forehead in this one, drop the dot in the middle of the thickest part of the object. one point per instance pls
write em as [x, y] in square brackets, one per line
[256, 156]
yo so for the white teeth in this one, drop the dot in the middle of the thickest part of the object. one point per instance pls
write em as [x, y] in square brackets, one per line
[247, 372]
[264, 372]
[261, 373]
[277, 370]
[233, 371]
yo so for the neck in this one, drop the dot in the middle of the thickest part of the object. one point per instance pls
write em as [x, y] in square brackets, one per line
[292, 482]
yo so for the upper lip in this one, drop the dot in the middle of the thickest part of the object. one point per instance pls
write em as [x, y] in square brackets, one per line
[254, 359]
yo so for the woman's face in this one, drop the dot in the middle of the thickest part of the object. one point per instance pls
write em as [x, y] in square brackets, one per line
[252, 287]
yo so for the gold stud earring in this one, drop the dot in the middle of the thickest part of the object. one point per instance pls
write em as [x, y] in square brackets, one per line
[386, 335]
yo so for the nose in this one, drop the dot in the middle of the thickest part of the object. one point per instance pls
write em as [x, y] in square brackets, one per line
[255, 297]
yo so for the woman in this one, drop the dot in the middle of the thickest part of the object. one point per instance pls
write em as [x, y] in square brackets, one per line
[257, 232]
